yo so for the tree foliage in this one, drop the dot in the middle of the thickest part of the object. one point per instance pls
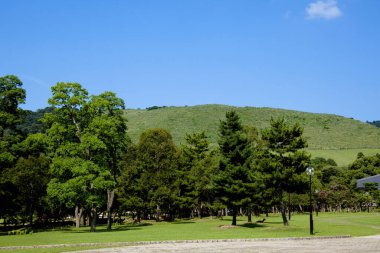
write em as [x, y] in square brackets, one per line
[12, 95]
[77, 159]
[283, 161]
[235, 180]
[84, 139]
[199, 163]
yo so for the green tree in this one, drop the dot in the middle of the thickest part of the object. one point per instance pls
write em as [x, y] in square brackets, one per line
[30, 175]
[80, 176]
[199, 164]
[65, 135]
[373, 191]
[32, 122]
[132, 193]
[283, 162]
[375, 123]
[364, 166]
[109, 126]
[235, 181]
[158, 161]
[12, 95]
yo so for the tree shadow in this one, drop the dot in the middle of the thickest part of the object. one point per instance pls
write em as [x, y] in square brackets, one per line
[142, 224]
[252, 225]
[274, 222]
[104, 230]
[182, 222]
[126, 227]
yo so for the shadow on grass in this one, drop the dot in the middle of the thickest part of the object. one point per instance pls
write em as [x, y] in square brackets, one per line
[100, 229]
[182, 222]
[142, 224]
[274, 222]
[39, 230]
[252, 225]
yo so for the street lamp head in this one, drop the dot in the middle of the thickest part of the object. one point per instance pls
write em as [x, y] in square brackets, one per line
[310, 171]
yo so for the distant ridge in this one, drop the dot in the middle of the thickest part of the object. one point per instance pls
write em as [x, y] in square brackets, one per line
[323, 131]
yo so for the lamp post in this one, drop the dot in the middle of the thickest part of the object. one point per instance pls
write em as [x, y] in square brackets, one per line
[316, 201]
[310, 173]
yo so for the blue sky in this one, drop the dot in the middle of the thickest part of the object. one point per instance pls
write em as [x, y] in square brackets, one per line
[315, 56]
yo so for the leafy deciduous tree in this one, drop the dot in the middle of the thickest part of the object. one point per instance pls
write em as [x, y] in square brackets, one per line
[11, 96]
[109, 126]
[80, 175]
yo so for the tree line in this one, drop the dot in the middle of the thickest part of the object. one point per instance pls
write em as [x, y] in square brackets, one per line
[78, 161]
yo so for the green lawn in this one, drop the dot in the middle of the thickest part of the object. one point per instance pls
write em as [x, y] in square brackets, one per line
[342, 157]
[326, 224]
[54, 250]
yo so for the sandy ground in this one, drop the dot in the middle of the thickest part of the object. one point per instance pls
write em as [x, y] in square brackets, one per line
[369, 244]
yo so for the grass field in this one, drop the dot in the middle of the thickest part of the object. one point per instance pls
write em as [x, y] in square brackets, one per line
[342, 157]
[323, 131]
[326, 224]
[328, 136]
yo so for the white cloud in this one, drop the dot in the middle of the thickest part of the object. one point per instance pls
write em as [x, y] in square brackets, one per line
[325, 9]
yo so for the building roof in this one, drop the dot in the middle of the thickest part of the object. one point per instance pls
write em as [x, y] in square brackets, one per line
[374, 179]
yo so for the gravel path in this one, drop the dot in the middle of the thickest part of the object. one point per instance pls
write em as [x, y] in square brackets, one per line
[369, 244]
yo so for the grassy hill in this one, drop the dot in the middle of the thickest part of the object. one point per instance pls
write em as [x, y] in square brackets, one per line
[323, 131]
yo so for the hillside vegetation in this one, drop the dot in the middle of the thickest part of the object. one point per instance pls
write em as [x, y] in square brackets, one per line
[323, 131]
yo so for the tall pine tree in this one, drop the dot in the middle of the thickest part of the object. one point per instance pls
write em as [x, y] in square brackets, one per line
[199, 165]
[235, 181]
[283, 161]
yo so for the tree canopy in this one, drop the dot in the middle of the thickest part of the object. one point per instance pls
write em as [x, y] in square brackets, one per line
[75, 159]
[235, 181]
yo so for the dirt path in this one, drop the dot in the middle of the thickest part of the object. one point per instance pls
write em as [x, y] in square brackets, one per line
[369, 244]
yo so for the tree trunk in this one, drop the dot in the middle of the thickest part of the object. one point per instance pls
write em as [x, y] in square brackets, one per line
[199, 210]
[31, 215]
[283, 214]
[78, 215]
[84, 220]
[158, 213]
[93, 218]
[138, 216]
[234, 212]
[249, 214]
[220, 214]
[110, 198]
[289, 207]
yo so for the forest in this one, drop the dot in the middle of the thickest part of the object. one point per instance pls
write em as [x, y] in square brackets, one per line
[77, 165]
